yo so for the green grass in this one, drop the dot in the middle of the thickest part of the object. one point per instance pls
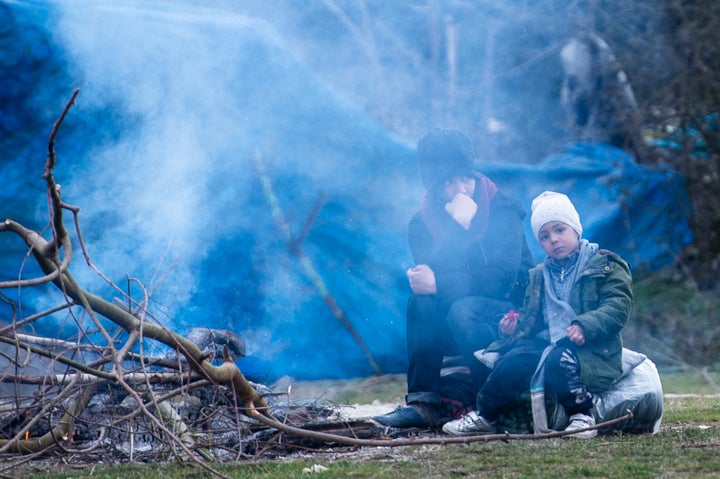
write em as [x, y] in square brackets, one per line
[691, 381]
[687, 445]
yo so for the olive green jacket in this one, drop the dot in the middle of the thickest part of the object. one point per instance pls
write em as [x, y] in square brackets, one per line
[602, 297]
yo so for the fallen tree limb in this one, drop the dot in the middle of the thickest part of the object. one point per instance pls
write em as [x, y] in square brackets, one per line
[22, 345]
[59, 431]
[350, 441]
[87, 378]
[226, 373]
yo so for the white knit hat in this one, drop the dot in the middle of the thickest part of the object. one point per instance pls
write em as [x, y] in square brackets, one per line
[551, 206]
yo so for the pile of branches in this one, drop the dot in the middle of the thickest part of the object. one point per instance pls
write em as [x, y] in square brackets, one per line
[157, 412]
[115, 364]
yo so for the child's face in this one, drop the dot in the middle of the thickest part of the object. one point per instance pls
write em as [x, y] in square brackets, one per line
[459, 184]
[558, 239]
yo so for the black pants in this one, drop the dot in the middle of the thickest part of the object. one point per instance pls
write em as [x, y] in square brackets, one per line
[513, 372]
[435, 331]
[562, 378]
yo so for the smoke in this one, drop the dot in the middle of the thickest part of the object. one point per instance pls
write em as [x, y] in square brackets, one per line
[174, 101]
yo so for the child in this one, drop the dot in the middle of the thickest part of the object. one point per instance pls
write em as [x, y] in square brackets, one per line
[576, 305]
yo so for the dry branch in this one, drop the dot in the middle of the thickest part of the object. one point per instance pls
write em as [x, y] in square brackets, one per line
[351, 441]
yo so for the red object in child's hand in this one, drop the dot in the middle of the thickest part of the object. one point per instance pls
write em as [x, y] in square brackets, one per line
[508, 323]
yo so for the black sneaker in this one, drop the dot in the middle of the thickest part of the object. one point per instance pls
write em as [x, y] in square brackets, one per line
[415, 415]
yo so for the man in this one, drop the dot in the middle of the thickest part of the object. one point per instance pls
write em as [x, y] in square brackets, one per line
[470, 255]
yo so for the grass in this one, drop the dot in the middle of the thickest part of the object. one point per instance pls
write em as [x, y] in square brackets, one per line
[691, 381]
[688, 445]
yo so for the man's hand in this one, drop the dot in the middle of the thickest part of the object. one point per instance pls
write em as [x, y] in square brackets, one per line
[422, 279]
[462, 208]
[576, 334]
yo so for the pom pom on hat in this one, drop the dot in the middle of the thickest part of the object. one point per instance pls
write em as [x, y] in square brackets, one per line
[443, 154]
[551, 206]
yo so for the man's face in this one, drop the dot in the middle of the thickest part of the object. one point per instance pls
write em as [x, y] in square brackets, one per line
[558, 239]
[459, 184]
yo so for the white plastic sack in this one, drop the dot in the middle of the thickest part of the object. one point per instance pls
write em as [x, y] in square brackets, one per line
[638, 390]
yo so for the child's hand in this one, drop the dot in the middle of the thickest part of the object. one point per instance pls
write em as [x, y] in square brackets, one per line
[462, 208]
[508, 323]
[422, 279]
[576, 334]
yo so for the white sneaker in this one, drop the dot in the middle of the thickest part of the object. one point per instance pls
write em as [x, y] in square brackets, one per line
[470, 424]
[581, 421]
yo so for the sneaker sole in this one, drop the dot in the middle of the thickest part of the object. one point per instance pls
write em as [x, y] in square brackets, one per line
[474, 433]
[584, 435]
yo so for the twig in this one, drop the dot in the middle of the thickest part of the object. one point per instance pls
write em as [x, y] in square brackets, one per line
[29, 319]
[56, 357]
[87, 378]
[294, 245]
[59, 231]
[29, 235]
[18, 445]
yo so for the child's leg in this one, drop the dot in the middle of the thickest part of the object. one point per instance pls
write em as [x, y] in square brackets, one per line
[509, 379]
[562, 378]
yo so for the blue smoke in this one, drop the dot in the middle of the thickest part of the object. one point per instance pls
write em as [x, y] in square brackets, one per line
[174, 101]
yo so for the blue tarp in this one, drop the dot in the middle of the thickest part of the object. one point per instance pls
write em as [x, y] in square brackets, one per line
[157, 151]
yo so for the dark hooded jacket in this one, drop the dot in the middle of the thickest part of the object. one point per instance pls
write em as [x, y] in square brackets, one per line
[468, 263]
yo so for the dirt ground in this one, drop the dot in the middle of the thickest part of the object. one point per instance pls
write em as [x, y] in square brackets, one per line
[356, 398]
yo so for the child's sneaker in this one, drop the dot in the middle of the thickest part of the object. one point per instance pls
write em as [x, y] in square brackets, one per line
[581, 421]
[470, 424]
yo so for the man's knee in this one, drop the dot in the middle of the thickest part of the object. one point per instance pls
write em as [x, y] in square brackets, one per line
[552, 361]
[475, 311]
[459, 311]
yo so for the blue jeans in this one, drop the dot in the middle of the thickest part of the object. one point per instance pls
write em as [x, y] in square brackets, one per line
[435, 331]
